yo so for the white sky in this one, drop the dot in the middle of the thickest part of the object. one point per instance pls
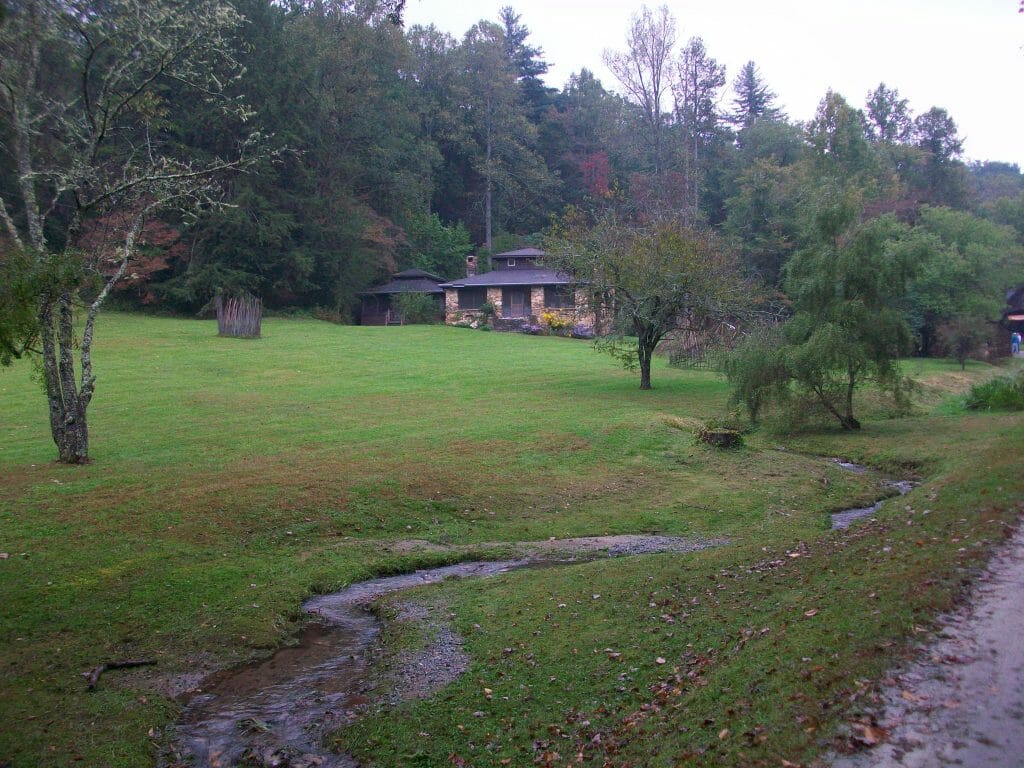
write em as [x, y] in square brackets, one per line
[966, 56]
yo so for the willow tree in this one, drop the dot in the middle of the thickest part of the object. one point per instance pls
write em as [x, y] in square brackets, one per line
[847, 329]
[82, 89]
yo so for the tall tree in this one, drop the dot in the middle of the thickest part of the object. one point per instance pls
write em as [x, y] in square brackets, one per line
[80, 91]
[526, 60]
[645, 71]
[513, 174]
[889, 120]
[753, 99]
[699, 78]
[942, 178]
[837, 138]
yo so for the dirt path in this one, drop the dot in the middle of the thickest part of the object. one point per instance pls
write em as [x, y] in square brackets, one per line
[963, 703]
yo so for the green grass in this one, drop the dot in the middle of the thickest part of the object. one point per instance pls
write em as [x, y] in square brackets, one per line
[285, 462]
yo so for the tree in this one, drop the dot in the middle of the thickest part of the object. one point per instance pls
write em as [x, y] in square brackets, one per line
[754, 100]
[962, 337]
[889, 119]
[514, 176]
[644, 69]
[438, 248]
[942, 177]
[837, 138]
[655, 279]
[846, 328]
[699, 79]
[967, 265]
[81, 93]
[526, 61]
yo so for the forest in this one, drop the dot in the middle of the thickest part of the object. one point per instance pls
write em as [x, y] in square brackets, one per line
[380, 148]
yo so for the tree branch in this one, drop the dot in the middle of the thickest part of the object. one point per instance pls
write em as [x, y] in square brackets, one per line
[9, 223]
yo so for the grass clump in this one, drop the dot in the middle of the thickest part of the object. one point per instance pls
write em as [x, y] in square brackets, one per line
[1003, 394]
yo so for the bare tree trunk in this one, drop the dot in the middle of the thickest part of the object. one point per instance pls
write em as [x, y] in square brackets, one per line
[488, 193]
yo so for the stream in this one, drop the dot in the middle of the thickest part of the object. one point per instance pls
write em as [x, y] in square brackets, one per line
[275, 712]
[847, 516]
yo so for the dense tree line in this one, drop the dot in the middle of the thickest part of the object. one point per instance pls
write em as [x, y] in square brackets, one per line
[411, 147]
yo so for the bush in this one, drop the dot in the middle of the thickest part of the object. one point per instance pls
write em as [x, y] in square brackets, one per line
[1002, 394]
[557, 323]
[416, 307]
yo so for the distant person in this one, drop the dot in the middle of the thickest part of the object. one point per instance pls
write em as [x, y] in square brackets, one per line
[1014, 343]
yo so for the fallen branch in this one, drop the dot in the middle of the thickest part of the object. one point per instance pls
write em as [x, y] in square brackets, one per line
[93, 676]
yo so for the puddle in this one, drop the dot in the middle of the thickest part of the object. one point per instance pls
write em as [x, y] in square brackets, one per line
[847, 516]
[275, 712]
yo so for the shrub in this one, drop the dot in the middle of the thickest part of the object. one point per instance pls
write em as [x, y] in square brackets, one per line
[416, 307]
[556, 322]
[1002, 394]
[581, 331]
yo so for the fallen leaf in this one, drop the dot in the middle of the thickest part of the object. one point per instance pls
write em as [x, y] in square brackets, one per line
[812, 612]
[659, 660]
[871, 734]
[722, 734]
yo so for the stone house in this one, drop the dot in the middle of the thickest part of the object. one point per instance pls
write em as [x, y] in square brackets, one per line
[521, 291]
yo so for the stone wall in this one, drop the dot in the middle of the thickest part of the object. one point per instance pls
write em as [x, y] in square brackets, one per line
[577, 315]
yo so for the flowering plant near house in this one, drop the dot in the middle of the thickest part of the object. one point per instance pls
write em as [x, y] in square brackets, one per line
[556, 322]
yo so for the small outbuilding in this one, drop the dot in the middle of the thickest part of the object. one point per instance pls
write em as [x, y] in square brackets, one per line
[377, 306]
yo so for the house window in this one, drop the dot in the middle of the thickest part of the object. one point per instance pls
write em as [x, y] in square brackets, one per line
[559, 297]
[511, 262]
[472, 298]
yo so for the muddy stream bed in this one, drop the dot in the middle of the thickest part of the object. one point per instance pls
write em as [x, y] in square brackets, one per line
[275, 712]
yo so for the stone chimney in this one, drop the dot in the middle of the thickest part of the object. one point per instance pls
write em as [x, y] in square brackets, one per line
[470, 265]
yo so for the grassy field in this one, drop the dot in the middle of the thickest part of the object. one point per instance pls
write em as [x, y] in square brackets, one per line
[231, 479]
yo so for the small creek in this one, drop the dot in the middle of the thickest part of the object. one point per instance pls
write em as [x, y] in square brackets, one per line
[847, 516]
[275, 712]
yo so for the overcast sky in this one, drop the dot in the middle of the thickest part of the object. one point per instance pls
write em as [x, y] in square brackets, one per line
[966, 56]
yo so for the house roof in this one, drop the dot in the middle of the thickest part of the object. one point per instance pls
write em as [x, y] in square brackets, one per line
[528, 252]
[411, 273]
[509, 277]
[410, 281]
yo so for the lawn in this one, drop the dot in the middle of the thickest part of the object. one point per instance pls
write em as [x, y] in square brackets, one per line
[231, 479]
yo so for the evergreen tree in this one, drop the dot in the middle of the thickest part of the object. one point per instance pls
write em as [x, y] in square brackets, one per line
[527, 62]
[753, 100]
